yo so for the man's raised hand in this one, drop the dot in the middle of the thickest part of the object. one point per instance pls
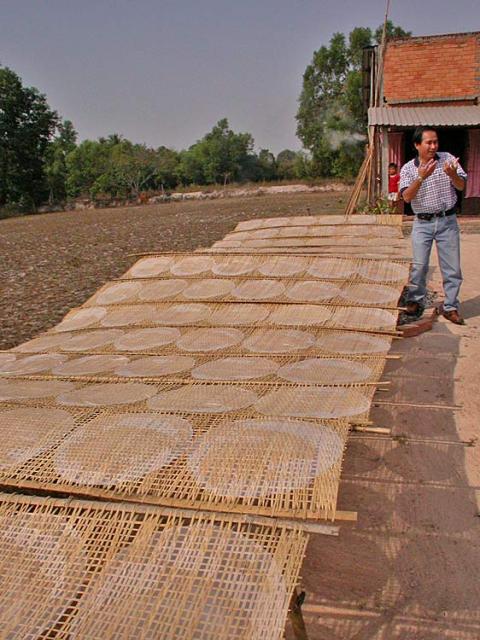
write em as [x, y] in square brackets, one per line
[450, 168]
[426, 170]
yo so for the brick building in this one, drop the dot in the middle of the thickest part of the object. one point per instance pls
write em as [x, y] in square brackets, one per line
[429, 80]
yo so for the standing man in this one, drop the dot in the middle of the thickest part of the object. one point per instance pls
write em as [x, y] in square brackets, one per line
[429, 182]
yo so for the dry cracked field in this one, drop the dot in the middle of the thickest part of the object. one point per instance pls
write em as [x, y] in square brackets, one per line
[53, 262]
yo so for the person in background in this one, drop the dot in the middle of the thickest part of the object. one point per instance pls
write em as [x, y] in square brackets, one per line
[429, 182]
[393, 182]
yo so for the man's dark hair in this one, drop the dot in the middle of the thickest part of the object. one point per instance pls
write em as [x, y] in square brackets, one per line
[418, 133]
[393, 165]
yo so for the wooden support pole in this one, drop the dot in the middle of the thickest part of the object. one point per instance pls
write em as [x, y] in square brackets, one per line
[379, 430]
[346, 516]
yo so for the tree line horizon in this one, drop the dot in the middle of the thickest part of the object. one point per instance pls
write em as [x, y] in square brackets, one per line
[42, 163]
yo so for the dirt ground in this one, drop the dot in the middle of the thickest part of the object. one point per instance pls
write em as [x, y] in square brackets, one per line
[408, 569]
[52, 262]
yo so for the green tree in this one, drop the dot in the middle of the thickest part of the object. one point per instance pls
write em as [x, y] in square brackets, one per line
[392, 31]
[330, 118]
[218, 157]
[167, 163]
[285, 162]
[27, 125]
[55, 165]
[85, 164]
[267, 165]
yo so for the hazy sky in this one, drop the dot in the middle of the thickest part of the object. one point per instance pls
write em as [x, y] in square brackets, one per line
[164, 71]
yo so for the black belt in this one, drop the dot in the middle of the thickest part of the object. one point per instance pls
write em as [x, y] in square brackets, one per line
[440, 214]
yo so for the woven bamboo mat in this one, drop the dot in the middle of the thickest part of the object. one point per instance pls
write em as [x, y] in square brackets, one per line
[270, 465]
[238, 289]
[143, 396]
[334, 241]
[225, 265]
[78, 570]
[216, 314]
[266, 223]
[341, 370]
[318, 231]
[210, 400]
[225, 340]
[374, 253]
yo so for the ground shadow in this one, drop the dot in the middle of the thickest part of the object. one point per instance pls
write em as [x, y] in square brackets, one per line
[407, 570]
[471, 308]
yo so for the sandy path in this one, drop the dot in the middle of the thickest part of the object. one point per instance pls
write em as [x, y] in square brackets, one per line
[409, 569]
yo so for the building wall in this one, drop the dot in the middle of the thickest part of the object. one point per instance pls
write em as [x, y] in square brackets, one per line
[433, 70]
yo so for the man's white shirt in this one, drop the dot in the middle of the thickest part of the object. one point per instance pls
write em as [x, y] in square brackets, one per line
[436, 192]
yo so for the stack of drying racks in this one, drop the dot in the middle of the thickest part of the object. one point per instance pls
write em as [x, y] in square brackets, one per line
[196, 413]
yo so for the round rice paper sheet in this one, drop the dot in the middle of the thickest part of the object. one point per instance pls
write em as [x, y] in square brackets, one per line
[313, 291]
[42, 566]
[350, 342]
[384, 271]
[248, 225]
[162, 289]
[383, 242]
[279, 341]
[121, 448]
[143, 339]
[263, 457]
[90, 365]
[7, 357]
[214, 585]
[365, 318]
[151, 267]
[29, 431]
[301, 315]
[259, 290]
[30, 389]
[234, 265]
[283, 267]
[153, 366]
[214, 339]
[319, 231]
[108, 394]
[92, 340]
[293, 232]
[328, 268]
[236, 237]
[32, 364]
[181, 314]
[45, 343]
[192, 265]
[370, 294]
[203, 399]
[253, 244]
[267, 223]
[239, 314]
[126, 316]
[356, 230]
[208, 288]
[314, 402]
[235, 368]
[258, 234]
[325, 371]
[228, 244]
[117, 293]
[81, 319]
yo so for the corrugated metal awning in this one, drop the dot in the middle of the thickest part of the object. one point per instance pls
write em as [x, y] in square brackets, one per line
[416, 116]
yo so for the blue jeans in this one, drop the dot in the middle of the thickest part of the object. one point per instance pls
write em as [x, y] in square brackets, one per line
[446, 234]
